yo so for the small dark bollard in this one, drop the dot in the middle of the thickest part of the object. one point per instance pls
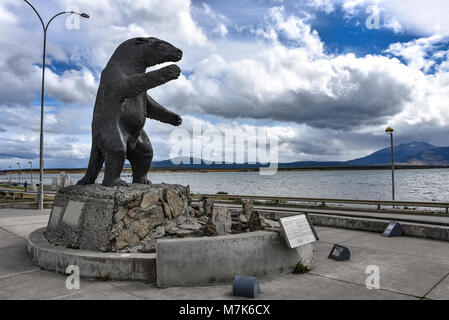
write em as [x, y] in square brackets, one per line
[394, 229]
[339, 253]
[245, 287]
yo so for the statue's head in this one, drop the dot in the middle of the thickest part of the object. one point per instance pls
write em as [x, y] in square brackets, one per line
[155, 51]
[149, 51]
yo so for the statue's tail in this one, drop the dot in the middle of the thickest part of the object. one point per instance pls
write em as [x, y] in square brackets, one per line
[96, 161]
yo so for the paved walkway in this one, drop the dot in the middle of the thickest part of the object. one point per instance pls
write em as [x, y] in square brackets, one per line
[410, 268]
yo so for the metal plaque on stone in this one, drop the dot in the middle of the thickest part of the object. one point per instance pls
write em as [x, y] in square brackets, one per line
[72, 213]
[298, 230]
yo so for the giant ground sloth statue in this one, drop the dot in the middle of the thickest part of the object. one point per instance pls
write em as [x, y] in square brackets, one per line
[122, 106]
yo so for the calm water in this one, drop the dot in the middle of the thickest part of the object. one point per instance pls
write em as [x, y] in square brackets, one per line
[418, 185]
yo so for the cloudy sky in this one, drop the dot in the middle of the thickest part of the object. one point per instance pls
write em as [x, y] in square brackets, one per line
[310, 71]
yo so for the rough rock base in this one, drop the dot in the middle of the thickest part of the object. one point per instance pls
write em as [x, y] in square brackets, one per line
[124, 219]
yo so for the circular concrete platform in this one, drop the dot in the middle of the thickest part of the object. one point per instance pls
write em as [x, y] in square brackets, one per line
[180, 262]
[113, 266]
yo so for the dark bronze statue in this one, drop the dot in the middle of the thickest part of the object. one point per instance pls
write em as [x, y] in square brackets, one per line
[122, 106]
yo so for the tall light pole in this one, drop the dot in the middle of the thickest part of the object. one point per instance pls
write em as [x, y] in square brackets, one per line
[10, 173]
[31, 170]
[41, 150]
[389, 131]
[18, 163]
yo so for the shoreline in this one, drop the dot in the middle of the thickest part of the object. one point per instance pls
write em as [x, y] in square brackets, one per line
[254, 169]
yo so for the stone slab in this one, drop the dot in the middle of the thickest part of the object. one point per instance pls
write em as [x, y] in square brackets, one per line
[297, 230]
[212, 260]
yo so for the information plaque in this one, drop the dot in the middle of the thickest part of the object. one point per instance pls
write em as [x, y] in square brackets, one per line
[297, 230]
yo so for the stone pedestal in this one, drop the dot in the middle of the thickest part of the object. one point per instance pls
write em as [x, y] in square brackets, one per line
[118, 219]
[113, 233]
[153, 233]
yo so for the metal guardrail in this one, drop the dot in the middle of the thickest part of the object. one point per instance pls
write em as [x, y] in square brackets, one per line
[284, 200]
[323, 201]
[5, 193]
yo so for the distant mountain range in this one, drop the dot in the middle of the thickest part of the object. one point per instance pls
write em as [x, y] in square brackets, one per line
[415, 153]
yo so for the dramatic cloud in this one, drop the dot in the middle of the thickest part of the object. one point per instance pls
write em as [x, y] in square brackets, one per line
[428, 17]
[298, 83]
[423, 53]
[274, 74]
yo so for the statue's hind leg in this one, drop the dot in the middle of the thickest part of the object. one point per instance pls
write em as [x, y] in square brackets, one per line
[114, 149]
[95, 163]
[140, 158]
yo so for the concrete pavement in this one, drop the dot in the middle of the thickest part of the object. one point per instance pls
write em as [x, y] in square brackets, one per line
[410, 268]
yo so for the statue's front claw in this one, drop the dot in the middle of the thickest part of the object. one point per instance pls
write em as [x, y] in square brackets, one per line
[175, 120]
[178, 121]
[170, 72]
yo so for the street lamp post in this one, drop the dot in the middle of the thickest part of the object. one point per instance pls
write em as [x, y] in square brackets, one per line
[10, 173]
[389, 131]
[18, 163]
[31, 171]
[41, 150]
